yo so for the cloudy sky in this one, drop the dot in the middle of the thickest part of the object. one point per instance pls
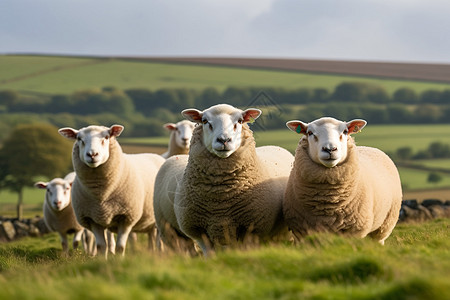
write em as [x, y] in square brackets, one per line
[374, 30]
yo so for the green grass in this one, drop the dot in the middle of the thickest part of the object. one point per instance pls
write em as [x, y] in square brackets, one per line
[71, 74]
[418, 179]
[413, 264]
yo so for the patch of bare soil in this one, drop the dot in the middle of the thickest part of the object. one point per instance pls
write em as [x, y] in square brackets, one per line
[133, 149]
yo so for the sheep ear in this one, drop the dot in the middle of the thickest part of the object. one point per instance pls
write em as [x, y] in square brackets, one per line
[297, 126]
[68, 132]
[170, 126]
[193, 115]
[116, 130]
[41, 185]
[251, 114]
[355, 126]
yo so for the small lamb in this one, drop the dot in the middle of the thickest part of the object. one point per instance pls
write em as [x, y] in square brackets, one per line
[230, 190]
[340, 187]
[112, 190]
[59, 215]
[180, 136]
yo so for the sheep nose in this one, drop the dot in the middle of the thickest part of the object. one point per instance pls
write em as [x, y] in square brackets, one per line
[92, 154]
[57, 203]
[223, 140]
[185, 140]
[329, 149]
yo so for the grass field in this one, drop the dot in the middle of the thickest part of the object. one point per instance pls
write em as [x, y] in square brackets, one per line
[413, 264]
[61, 75]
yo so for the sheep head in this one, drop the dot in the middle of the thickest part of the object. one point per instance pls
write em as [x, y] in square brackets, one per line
[327, 138]
[222, 126]
[58, 193]
[182, 131]
[93, 142]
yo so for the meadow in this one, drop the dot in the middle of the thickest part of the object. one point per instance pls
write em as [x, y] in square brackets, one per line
[413, 264]
[65, 75]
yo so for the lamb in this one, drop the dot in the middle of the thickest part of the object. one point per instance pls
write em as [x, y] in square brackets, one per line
[180, 135]
[112, 190]
[229, 190]
[340, 187]
[59, 215]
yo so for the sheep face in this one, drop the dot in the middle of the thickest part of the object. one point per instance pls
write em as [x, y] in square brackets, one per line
[183, 132]
[222, 127]
[58, 193]
[327, 138]
[93, 142]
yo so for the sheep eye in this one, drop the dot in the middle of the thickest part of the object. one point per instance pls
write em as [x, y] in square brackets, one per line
[204, 121]
[345, 132]
[241, 121]
[309, 133]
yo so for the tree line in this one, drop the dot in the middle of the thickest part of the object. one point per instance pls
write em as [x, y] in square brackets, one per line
[145, 110]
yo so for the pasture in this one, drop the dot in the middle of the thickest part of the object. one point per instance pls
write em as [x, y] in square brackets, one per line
[64, 75]
[413, 264]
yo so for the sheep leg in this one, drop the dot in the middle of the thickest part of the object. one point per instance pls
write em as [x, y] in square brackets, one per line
[152, 236]
[76, 239]
[100, 238]
[64, 243]
[111, 242]
[89, 243]
[123, 231]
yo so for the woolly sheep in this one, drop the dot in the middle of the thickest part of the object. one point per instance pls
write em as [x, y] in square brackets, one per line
[340, 187]
[170, 173]
[180, 135]
[112, 190]
[230, 190]
[59, 215]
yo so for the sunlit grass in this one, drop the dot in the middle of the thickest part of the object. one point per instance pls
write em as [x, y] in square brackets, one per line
[412, 265]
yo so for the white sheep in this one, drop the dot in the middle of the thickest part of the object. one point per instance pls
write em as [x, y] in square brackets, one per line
[59, 215]
[180, 136]
[229, 189]
[169, 175]
[112, 190]
[340, 187]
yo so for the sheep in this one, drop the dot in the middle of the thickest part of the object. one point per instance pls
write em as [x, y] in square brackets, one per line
[59, 215]
[170, 173]
[180, 135]
[112, 190]
[340, 187]
[229, 190]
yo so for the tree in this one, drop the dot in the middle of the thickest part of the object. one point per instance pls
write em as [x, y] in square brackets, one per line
[405, 95]
[404, 153]
[30, 151]
[434, 177]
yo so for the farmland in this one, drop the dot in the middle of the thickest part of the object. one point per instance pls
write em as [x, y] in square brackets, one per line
[64, 75]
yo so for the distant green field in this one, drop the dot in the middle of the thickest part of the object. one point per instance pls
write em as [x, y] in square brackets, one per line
[65, 75]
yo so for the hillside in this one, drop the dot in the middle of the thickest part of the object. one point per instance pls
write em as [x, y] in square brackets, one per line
[65, 75]
[404, 71]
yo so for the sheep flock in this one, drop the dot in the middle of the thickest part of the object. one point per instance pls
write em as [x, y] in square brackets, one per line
[215, 188]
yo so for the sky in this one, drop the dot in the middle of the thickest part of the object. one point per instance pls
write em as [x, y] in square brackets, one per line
[361, 30]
